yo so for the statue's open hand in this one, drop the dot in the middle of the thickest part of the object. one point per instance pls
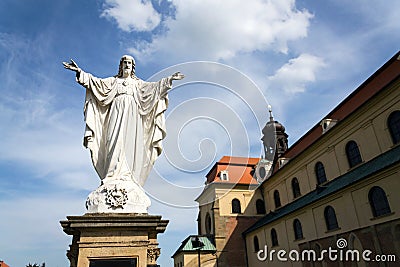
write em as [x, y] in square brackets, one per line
[71, 66]
[177, 76]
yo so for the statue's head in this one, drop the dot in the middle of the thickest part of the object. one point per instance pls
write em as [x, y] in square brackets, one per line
[127, 63]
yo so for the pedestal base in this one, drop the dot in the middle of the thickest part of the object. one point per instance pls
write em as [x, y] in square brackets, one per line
[118, 196]
[130, 239]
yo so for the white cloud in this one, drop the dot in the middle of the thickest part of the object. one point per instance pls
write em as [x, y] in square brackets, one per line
[132, 15]
[294, 75]
[214, 30]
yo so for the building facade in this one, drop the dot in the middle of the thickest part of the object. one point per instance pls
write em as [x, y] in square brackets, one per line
[340, 181]
[336, 188]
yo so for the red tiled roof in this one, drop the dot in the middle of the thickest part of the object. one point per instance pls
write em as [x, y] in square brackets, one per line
[240, 170]
[238, 160]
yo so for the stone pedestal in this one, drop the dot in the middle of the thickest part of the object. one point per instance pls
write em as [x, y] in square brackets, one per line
[118, 196]
[128, 238]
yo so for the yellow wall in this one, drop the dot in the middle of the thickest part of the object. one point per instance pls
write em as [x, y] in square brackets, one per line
[223, 198]
[247, 201]
[352, 209]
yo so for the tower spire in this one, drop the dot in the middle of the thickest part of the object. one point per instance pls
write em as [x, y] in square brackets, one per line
[271, 118]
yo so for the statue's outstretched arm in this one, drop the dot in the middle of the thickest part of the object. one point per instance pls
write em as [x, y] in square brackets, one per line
[71, 66]
[177, 76]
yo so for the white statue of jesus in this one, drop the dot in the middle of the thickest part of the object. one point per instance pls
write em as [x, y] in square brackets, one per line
[125, 126]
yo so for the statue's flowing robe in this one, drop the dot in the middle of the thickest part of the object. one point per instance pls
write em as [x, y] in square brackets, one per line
[125, 125]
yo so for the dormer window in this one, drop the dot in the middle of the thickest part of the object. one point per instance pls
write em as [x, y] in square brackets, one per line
[282, 162]
[327, 124]
[224, 175]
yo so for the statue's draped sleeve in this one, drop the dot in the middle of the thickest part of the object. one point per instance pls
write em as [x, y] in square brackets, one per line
[99, 95]
[154, 101]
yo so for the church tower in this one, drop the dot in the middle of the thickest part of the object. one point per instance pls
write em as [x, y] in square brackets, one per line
[275, 143]
[275, 140]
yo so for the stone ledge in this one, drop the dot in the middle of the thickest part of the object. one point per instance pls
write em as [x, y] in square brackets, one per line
[112, 244]
[133, 221]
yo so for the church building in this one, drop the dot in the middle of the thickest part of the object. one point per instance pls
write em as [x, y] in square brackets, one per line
[336, 188]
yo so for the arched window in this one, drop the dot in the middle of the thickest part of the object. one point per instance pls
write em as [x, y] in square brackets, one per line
[208, 223]
[394, 126]
[236, 206]
[256, 244]
[320, 173]
[274, 237]
[330, 218]
[277, 199]
[298, 230]
[353, 154]
[295, 188]
[260, 206]
[378, 201]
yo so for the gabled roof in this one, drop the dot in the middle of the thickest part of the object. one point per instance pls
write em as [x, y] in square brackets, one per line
[240, 170]
[379, 163]
[187, 246]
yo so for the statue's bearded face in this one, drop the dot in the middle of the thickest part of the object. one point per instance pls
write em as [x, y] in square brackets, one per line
[127, 66]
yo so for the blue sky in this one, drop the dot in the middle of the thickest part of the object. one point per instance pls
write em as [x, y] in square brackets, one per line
[301, 57]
